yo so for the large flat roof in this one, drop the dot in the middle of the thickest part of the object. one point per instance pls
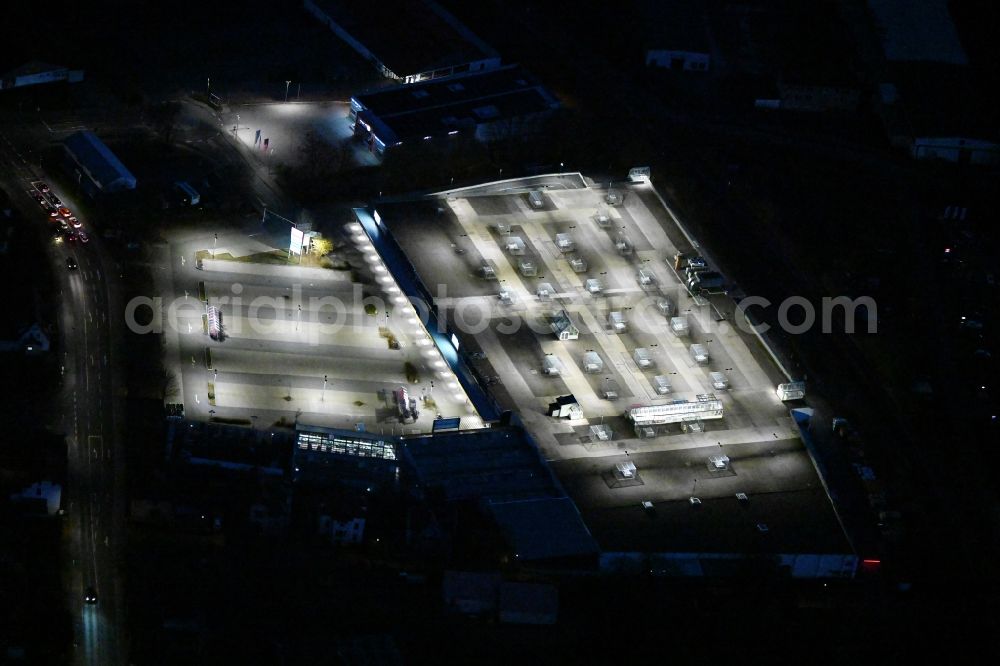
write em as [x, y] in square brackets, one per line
[499, 464]
[784, 492]
[768, 460]
[442, 105]
[408, 36]
[102, 166]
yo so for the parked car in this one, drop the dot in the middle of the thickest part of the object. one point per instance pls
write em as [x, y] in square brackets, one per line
[84, 238]
[70, 263]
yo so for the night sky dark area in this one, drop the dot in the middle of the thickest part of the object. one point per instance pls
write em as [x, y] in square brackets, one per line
[794, 204]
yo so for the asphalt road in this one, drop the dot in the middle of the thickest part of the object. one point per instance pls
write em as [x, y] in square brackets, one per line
[94, 497]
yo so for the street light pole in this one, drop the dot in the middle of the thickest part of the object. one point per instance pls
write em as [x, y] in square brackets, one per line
[287, 83]
[215, 244]
[323, 396]
[208, 87]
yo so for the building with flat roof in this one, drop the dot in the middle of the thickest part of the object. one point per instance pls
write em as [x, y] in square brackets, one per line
[675, 36]
[485, 104]
[36, 73]
[926, 111]
[498, 468]
[407, 40]
[97, 169]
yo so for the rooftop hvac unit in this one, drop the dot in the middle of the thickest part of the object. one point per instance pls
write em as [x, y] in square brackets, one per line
[602, 218]
[626, 469]
[719, 381]
[592, 362]
[699, 354]
[514, 245]
[552, 366]
[601, 432]
[564, 242]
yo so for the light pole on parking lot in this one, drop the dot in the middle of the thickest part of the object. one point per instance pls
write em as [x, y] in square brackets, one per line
[287, 83]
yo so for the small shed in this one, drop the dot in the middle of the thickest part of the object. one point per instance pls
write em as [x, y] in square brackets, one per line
[562, 325]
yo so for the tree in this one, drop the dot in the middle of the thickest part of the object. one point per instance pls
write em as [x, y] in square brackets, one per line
[321, 246]
[317, 168]
[169, 387]
[164, 117]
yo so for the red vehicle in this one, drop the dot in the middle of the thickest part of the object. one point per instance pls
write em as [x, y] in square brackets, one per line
[65, 212]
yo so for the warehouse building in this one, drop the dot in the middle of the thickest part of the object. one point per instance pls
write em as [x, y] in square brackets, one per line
[94, 166]
[489, 105]
[420, 40]
[36, 73]
[675, 36]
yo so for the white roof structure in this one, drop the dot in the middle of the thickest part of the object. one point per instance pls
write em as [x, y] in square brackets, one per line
[706, 406]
